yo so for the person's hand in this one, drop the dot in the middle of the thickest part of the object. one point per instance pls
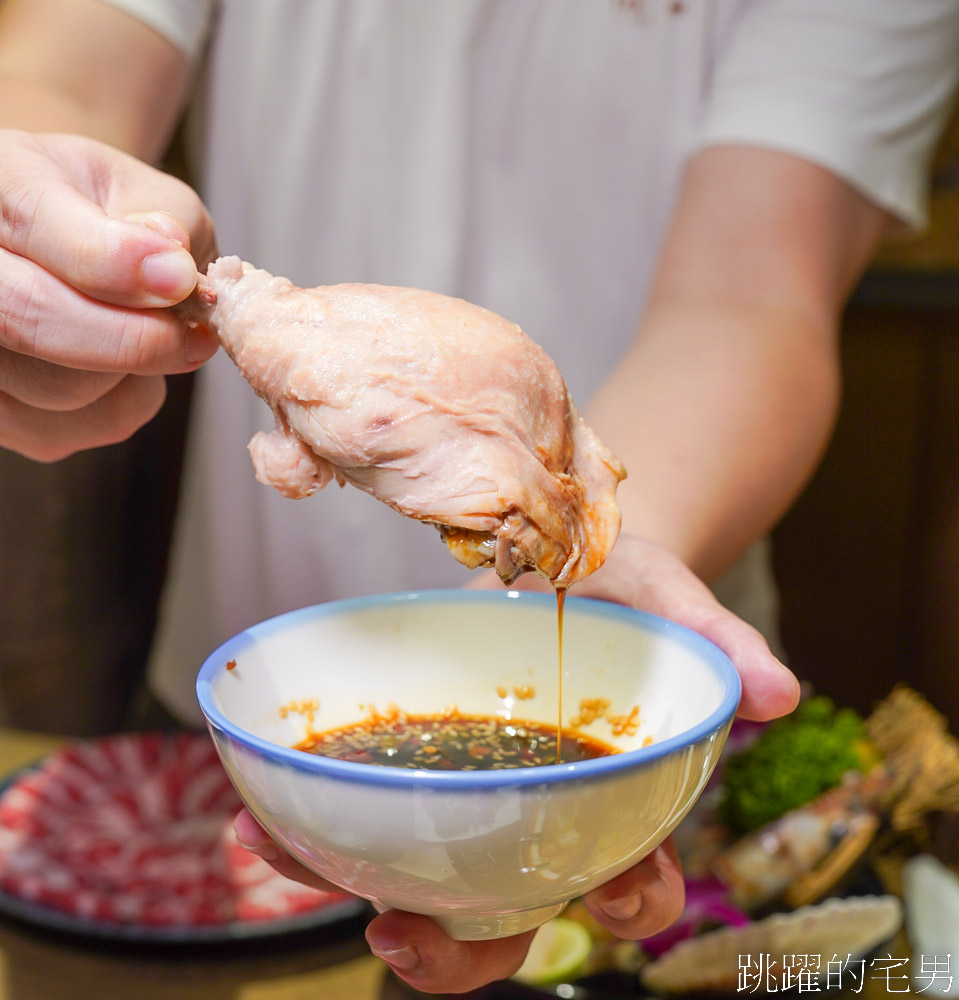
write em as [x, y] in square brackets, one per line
[642, 901]
[649, 896]
[94, 244]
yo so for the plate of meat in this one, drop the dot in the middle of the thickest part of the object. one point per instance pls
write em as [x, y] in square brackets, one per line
[131, 837]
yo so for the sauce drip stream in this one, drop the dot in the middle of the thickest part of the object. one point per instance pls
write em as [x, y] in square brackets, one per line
[560, 603]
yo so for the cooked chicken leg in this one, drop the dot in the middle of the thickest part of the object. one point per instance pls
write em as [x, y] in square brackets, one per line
[439, 408]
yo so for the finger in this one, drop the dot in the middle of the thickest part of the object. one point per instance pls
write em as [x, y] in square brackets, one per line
[44, 317]
[645, 899]
[47, 386]
[646, 576]
[202, 243]
[770, 688]
[163, 223]
[128, 195]
[48, 436]
[418, 951]
[51, 216]
[252, 836]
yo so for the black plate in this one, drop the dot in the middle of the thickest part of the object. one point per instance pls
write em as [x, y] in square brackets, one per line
[48, 918]
[335, 913]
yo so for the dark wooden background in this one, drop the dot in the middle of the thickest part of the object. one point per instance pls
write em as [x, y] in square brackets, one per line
[868, 559]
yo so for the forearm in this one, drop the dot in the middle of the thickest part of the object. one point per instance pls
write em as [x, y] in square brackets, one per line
[87, 68]
[35, 107]
[726, 400]
[720, 412]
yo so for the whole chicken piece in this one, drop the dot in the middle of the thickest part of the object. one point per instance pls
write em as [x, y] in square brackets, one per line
[439, 408]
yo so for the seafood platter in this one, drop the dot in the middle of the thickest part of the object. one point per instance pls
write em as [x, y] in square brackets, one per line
[823, 856]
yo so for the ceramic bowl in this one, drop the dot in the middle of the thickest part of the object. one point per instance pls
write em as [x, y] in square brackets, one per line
[485, 853]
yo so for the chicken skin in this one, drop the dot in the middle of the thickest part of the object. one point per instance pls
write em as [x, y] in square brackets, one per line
[437, 407]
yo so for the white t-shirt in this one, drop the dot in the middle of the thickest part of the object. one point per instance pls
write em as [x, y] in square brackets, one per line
[522, 154]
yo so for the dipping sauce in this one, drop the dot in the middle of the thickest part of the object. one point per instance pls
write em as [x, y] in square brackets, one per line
[453, 742]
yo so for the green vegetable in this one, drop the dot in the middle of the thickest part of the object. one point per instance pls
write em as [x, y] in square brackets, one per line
[793, 760]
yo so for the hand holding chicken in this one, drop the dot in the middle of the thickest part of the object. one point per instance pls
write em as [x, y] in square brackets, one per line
[439, 408]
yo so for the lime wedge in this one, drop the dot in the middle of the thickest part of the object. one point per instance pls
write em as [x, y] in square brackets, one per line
[558, 953]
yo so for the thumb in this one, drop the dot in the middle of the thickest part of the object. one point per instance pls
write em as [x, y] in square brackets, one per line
[140, 261]
[121, 261]
[171, 273]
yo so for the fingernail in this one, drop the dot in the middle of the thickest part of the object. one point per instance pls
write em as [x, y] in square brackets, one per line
[249, 835]
[404, 959]
[265, 851]
[622, 909]
[170, 275]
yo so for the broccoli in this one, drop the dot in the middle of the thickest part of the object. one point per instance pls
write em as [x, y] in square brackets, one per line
[791, 762]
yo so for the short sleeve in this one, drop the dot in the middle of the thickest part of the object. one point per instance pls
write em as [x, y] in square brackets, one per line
[860, 87]
[185, 23]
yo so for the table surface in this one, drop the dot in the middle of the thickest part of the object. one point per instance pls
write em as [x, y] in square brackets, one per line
[37, 964]
[323, 964]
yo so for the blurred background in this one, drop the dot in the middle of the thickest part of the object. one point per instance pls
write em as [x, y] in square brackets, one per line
[868, 559]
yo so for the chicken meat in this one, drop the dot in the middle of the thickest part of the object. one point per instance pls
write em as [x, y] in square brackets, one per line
[437, 407]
